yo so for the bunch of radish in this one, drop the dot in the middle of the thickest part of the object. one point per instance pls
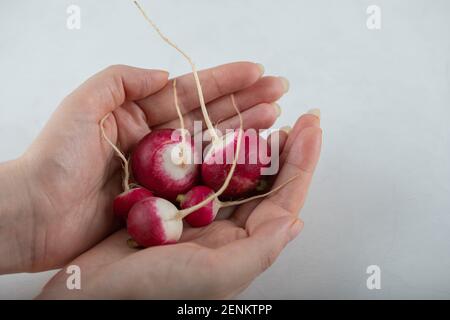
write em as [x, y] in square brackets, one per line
[173, 183]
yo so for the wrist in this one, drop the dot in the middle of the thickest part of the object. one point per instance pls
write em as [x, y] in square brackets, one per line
[16, 215]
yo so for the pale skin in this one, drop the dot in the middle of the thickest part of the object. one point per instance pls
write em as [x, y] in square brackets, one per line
[56, 199]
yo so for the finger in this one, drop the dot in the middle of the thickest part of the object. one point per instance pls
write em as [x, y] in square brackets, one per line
[240, 216]
[283, 134]
[132, 124]
[262, 116]
[265, 90]
[300, 161]
[108, 89]
[310, 119]
[241, 261]
[215, 82]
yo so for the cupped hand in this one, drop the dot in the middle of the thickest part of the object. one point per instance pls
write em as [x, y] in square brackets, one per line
[216, 261]
[72, 174]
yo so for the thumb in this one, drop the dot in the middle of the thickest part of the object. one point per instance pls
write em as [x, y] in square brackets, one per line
[110, 88]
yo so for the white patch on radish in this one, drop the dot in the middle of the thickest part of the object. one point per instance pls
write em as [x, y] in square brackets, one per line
[180, 170]
[168, 213]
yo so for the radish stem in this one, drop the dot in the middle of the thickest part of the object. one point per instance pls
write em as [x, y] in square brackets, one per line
[126, 175]
[215, 138]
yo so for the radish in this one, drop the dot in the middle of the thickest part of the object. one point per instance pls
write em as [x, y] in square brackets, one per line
[156, 221]
[206, 214]
[248, 175]
[154, 167]
[165, 160]
[124, 201]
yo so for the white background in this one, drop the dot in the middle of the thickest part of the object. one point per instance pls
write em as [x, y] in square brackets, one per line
[381, 192]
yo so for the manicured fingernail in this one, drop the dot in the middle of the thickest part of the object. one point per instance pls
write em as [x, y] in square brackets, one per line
[314, 112]
[285, 83]
[261, 68]
[286, 129]
[295, 229]
[277, 108]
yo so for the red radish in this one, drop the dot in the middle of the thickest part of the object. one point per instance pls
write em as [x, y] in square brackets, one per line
[155, 168]
[165, 161]
[126, 200]
[206, 214]
[153, 221]
[247, 176]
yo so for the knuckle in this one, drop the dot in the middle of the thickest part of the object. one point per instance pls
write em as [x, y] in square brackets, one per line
[115, 68]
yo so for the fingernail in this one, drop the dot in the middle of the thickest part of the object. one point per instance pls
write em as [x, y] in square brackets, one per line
[277, 108]
[314, 112]
[285, 83]
[295, 229]
[261, 68]
[286, 129]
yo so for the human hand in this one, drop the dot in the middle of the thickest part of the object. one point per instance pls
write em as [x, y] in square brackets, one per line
[216, 261]
[65, 182]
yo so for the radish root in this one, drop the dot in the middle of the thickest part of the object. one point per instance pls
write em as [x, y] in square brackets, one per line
[180, 117]
[126, 170]
[238, 202]
[212, 132]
